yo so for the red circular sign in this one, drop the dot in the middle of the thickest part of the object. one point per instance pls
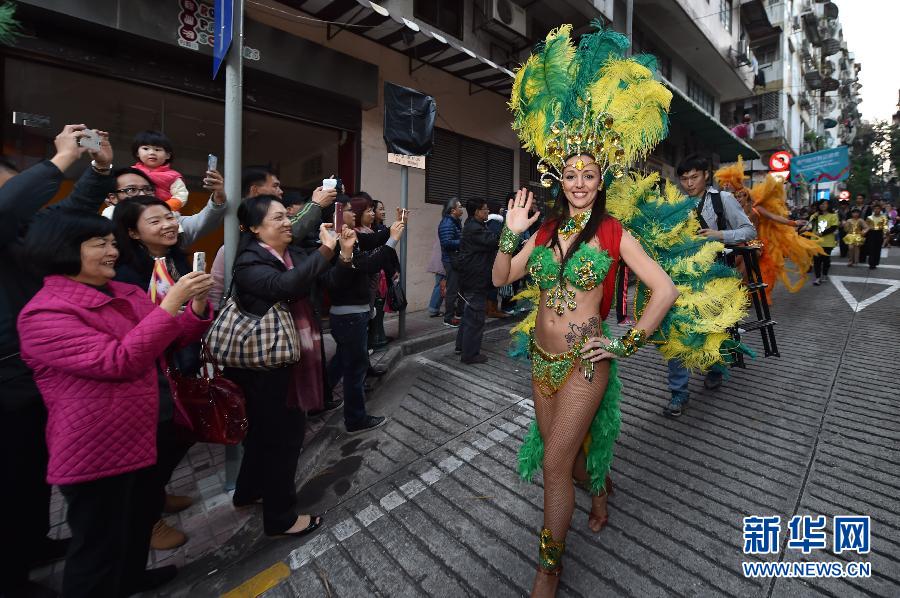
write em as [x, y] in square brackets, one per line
[780, 161]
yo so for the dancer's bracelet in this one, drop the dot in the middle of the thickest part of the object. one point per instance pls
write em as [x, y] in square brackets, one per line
[628, 345]
[509, 241]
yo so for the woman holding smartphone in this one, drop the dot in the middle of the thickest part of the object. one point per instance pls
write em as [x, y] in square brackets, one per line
[350, 314]
[152, 259]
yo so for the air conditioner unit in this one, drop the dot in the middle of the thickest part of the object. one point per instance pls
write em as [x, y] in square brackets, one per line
[766, 127]
[510, 15]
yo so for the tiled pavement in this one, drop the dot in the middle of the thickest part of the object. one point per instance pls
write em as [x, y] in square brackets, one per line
[431, 505]
[435, 507]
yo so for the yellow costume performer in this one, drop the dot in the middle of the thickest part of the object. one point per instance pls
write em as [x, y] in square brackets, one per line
[781, 242]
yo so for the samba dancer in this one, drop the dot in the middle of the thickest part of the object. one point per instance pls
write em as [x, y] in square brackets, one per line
[571, 258]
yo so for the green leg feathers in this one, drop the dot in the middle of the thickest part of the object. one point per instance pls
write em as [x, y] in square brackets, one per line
[598, 446]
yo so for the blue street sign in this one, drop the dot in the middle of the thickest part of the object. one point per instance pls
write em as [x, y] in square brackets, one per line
[224, 22]
[826, 166]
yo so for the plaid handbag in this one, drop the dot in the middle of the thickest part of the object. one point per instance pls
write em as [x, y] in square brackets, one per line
[241, 340]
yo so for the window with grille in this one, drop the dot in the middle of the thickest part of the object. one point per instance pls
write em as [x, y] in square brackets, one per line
[770, 105]
[446, 15]
[725, 14]
[467, 168]
[703, 98]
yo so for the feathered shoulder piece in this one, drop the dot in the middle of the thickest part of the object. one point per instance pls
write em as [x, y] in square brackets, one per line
[588, 100]
[712, 298]
[732, 175]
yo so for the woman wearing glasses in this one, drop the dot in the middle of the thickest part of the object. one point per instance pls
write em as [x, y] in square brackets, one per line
[131, 182]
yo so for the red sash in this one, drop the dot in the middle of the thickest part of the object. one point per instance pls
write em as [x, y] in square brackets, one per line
[609, 236]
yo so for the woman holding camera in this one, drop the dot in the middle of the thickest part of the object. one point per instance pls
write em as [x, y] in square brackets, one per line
[269, 270]
[94, 344]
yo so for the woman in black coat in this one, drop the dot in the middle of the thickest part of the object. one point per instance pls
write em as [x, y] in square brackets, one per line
[268, 270]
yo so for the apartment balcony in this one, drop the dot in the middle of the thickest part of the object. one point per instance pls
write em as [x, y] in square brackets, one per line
[702, 43]
[774, 74]
[755, 19]
[768, 135]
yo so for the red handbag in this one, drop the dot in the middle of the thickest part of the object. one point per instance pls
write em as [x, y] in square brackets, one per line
[213, 407]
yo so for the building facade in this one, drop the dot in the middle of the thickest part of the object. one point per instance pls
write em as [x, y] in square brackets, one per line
[314, 72]
[807, 94]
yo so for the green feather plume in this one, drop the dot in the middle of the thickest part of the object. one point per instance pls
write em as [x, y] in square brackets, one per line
[9, 26]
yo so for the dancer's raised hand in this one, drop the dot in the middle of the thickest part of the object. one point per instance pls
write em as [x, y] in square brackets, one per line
[517, 211]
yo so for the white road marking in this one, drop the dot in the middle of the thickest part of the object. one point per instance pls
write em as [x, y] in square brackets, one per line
[858, 306]
[411, 488]
[392, 500]
[345, 529]
[863, 265]
[349, 527]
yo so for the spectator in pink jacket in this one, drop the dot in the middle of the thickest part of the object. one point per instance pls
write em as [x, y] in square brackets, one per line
[95, 345]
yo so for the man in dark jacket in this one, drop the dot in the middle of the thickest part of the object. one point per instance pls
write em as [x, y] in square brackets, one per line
[449, 235]
[478, 247]
[23, 416]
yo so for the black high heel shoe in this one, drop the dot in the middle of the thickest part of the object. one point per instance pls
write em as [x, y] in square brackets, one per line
[314, 522]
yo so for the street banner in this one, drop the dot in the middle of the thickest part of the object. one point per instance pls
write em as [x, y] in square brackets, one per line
[826, 166]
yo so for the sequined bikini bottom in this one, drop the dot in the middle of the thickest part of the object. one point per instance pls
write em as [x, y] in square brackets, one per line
[549, 371]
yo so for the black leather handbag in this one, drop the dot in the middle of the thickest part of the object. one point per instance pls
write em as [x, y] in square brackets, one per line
[396, 297]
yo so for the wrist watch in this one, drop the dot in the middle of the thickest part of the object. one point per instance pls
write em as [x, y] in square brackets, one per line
[99, 169]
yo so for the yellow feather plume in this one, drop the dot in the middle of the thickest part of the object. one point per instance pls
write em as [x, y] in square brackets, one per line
[615, 74]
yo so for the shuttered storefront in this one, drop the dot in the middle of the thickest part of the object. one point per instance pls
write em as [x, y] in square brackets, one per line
[467, 168]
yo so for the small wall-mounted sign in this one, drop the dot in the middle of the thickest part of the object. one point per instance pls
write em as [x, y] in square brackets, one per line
[404, 160]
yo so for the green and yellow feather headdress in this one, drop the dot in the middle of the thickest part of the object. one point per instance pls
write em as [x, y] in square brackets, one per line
[588, 100]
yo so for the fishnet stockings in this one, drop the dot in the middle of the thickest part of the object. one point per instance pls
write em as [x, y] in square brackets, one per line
[564, 420]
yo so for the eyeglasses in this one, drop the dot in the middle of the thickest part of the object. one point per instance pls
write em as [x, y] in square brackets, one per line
[132, 190]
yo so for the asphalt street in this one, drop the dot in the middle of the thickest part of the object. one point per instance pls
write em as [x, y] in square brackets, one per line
[431, 505]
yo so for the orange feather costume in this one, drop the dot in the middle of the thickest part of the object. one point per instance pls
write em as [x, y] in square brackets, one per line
[781, 242]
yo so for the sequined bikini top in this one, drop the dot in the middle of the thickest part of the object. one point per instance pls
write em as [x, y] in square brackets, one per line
[585, 270]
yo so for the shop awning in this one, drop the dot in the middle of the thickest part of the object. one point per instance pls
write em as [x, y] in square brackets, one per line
[419, 42]
[692, 117]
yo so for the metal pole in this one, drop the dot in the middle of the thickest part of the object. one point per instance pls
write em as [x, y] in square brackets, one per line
[234, 103]
[404, 205]
[629, 14]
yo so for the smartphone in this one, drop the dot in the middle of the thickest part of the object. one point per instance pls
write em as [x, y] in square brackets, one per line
[90, 139]
[404, 215]
[199, 261]
[212, 162]
[330, 183]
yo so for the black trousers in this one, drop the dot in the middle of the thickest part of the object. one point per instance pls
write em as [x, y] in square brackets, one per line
[111, 521]
[471, 330]
[874, 240]
[172, 444]
[25, 498]
[822, 263]
[271, 448]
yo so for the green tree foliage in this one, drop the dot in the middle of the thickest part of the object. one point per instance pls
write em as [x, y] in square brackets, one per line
[874, 158]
